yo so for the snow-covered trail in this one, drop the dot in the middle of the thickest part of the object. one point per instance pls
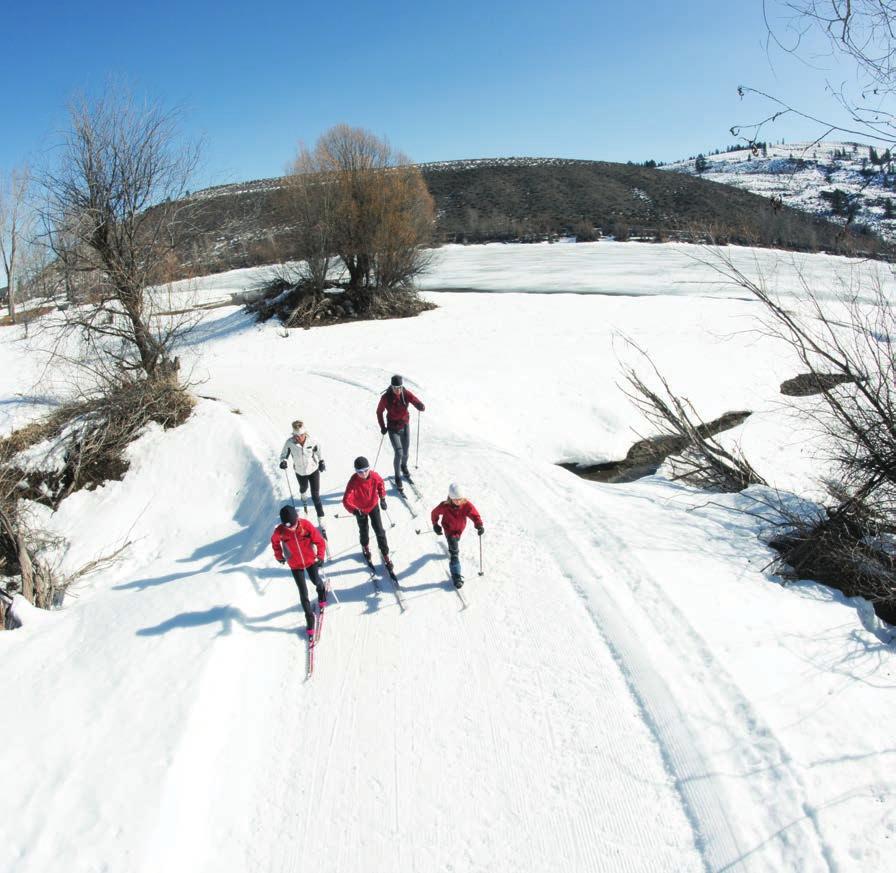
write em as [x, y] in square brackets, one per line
[500, 736]
[626, 691]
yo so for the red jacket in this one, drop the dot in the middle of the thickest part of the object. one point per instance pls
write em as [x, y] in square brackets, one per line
[301, 542]
[364, 494]
[454, 518]
[396, 408]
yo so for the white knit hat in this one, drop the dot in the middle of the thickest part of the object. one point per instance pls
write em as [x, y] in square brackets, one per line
[455, 492]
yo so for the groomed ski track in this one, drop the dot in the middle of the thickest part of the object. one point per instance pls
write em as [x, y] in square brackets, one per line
[573, 718]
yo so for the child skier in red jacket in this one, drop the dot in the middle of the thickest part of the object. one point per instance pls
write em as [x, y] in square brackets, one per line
[365, 495]
[453, 514]
[305, 550]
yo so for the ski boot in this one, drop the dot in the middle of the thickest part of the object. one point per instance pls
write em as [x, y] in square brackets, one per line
[457, 580]
[406, 474]
[365, 550]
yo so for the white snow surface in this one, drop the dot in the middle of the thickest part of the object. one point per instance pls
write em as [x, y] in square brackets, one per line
[629, 688]
[798, 173]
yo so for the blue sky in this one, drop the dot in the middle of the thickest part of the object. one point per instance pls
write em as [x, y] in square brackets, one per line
[605, 81]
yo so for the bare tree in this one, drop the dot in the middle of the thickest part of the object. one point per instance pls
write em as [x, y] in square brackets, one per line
[862, 32]
[113, 219]
[848, 347]
[15, 225]
[365, 203]
[310, 196]
[700, 459]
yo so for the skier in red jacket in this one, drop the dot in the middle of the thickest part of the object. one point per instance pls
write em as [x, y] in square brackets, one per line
[364, 496]
[305, 550]
[453, 514]
[394, 403]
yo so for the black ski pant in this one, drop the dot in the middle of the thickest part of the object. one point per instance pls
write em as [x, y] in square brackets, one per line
[376, 520]
[401, 443]
[299, 575]
[454, 556]
[312, 479]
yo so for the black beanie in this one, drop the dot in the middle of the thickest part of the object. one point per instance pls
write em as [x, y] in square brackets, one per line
[397, 380]
[361, 463]
[288, 515]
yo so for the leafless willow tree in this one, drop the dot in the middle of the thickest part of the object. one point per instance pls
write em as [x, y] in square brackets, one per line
[361, 201]
[700, 459]
[113, 220]
[847, 345]
[858, 32]
[16, 224]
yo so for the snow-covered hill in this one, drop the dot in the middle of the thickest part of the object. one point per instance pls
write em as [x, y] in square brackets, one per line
[800, 172]
[628, 689]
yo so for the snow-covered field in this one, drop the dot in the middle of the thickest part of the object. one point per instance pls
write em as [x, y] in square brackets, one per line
[628, 690]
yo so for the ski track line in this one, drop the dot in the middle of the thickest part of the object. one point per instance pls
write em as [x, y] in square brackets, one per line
[296, 860]
[709, 808]
[767, 752]
[557, 838]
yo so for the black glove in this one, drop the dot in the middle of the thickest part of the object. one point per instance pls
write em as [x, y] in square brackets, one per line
[437, 528]
[281, 560]
[322, 466]
[382, 502]
[480, 530]
[319, 563]
[283, 465]
[357, 513]
[383, 429]
[422, 407]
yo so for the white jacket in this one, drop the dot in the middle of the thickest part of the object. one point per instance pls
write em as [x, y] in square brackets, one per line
[305, 458]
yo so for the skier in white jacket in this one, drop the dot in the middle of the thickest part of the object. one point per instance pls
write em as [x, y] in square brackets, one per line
[307, 461]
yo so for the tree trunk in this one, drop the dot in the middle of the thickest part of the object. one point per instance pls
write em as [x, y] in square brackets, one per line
[27, 569]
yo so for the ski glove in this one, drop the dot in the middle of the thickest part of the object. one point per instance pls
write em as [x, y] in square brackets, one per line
[422, 407]
[480, 530]
[382, 503]
[322, 466]
[437, 528]
[383, 430]
[358, 513]
[281, 560]
[283, 464]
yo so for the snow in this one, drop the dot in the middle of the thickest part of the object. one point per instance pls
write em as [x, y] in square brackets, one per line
[629, 688]
[799, 172]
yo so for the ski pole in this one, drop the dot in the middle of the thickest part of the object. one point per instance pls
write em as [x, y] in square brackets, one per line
[379, 450]
[417, 459]
[391, 523]
[480, 557]
[328, 586]
[289, 485]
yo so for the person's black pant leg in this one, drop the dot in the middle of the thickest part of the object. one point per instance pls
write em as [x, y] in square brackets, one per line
[377, 521]
[405, 447]
[363, 529]
[314, 575]
[396, 439]
[299, 575]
